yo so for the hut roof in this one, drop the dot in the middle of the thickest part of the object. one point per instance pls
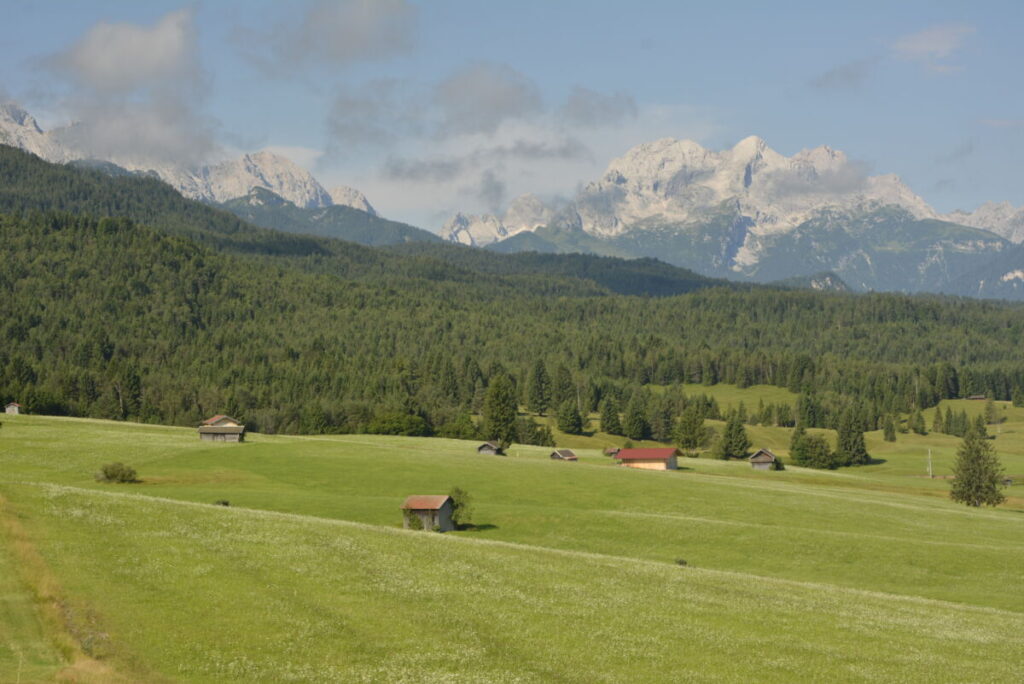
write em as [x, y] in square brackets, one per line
[612, 450]
[564, 454]
[219, 419]
[762, 456]
[493, 445]
[221, 429]
[13, 403]
[425, 502]
[652, 454]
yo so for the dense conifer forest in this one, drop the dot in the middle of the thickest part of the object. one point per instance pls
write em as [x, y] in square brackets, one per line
[124, 300]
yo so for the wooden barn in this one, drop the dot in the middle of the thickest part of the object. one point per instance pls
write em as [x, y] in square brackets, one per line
[564, 455]
[612, 451]
[12, 409]
[491, 449]
[649, 459]
[764, 459]
[434, 512]
[221, 429]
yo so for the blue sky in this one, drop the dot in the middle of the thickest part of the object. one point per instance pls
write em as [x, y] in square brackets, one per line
[459, 104]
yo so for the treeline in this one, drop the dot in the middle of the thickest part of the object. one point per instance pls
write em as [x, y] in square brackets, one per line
[106, 317]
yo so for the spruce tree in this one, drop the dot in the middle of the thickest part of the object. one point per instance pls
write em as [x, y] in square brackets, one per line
[977, 472]
[569, 419]
[916, 422]
[889, 428]
[938, 425]
[1017, 397]
[690, 432]
[635, 424]
[500, 411]
[991, 414]
[538, 397]
[610, 417]
[851, 449]
[562, 387]
[734, 442]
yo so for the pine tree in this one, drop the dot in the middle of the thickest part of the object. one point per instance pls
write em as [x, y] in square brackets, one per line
[562, 388]
[538, 397]
[991, 415]
[500, 410]
[796, 441]
[610, 417]
[635, 424]
[889, 428]
[1017, 397]
[690, 433]
[569, 419]
[977, 472]
[916, 422]
[851, 449]
[938, 425]
[950, 422]
[734, 442]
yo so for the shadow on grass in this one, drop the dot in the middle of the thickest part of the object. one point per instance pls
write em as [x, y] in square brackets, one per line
[486, 527]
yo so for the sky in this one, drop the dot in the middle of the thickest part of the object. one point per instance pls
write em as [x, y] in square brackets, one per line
[462, 105]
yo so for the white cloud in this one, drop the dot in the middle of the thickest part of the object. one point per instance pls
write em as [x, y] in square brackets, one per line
[478, 98]
[125, 57]
[136, 94]
[343, 32]
[932, 44]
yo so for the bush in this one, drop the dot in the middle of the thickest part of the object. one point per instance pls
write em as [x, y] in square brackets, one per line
[221, 502]
[116, 472]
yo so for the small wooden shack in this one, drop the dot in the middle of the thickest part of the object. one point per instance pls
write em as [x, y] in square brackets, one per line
[662, 458]
[491, 449]
[12, 409]
[434, 512]
[612, 451]
[221, 428]
[764, 459]
[564, 455]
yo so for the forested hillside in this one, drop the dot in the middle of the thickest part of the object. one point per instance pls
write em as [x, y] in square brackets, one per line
[110, 318]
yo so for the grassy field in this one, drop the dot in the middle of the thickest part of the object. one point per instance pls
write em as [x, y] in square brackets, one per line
[571, 575]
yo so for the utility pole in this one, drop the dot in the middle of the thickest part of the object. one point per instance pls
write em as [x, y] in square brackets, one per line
[930, 475]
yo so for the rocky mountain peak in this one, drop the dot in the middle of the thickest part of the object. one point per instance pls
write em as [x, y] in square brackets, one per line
[350, 197]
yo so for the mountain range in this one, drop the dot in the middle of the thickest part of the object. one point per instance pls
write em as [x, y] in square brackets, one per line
[751, 213]
[745, 213]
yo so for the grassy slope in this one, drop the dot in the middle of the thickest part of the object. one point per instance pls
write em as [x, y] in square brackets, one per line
[510, 603]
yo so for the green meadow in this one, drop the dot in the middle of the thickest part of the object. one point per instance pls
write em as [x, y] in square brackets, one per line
[571, 573]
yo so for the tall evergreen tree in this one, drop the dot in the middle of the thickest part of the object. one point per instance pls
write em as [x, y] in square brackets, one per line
[851, 449]
[562, 387]
[991, 414]
[938, 425]
[690, 433]
[538, 390]
[977, 472]
[889, 428]
[500, 411]
[734, 442]
[635, 424]
[569, 419]
[916, 422]
[610, 422]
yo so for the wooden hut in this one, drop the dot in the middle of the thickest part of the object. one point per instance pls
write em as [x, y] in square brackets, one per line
[491, 449]
[764, 459]
[612, 451]
[564, 455]
[649, 459]
[12, 409]
[221, 428]
[434, 512]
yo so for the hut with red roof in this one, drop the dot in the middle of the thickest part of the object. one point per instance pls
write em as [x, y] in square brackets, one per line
[433, 512]
[660, 458]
